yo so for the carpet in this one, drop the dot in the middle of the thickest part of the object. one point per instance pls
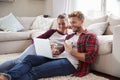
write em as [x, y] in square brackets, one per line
[90, 76]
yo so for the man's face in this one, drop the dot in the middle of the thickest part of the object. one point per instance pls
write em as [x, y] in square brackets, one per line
[76, 24]
[62, 24]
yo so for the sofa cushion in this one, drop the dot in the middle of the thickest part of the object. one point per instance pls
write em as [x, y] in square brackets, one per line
[42, 23]
[13, 36]
[108, 31]
[54, 24]
[89, 21]
[14, 46]
[26, 22]
[37, 33]
[105, 44]
[113, 21]
[98, 28]
[10, 23]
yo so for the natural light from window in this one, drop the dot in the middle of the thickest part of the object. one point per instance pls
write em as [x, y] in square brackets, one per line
[95, 8]
[113, 7]
[88, 7]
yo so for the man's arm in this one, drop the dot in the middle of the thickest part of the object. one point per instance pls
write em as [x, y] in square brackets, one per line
[79, 56]
[91, 50]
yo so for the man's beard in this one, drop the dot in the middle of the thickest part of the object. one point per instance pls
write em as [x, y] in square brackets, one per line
[76, 29]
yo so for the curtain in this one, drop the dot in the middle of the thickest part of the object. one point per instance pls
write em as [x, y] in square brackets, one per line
[61, 6]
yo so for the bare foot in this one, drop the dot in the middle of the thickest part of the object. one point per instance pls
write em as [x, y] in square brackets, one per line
[2, 77]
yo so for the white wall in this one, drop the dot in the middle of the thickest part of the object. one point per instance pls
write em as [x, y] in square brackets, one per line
[48, 7]
[33, 7]
[22, 7]
[58, 6]
[55, 7]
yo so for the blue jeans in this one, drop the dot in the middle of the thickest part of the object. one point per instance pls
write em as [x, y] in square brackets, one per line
[7, 65]
[34, 67]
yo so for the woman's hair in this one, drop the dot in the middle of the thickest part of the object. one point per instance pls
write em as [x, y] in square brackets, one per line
[62, 16]
[77, 14]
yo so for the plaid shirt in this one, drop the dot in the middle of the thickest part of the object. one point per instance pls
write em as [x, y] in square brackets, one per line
[88, 44]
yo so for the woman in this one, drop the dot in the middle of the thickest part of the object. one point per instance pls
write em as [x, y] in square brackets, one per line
[53, 34]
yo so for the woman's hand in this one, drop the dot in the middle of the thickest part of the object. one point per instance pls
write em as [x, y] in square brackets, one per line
[55, 52]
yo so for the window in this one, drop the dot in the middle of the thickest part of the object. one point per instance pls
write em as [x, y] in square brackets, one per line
[95, 8]
[88, 7]
[113, 7]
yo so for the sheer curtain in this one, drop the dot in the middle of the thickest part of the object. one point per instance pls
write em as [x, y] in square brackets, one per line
[113, 7]
[92, 8]
[95, 8]
[88, 7]
[59, 7]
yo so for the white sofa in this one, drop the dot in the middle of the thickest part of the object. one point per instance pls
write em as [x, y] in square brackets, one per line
[13, 43]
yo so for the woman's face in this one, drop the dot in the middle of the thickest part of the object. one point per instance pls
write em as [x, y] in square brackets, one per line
[62, 24]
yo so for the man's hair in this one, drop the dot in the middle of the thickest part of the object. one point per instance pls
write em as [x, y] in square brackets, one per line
[77, 14]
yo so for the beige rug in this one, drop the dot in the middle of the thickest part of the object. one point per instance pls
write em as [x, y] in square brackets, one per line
[90, 76]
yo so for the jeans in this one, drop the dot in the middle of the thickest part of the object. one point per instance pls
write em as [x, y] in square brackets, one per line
[7, 65]
[34, 67]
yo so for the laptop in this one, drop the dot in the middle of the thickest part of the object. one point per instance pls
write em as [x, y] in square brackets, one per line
[42, 47]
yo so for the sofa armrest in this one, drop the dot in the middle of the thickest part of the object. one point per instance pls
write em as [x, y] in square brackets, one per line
[14, 36]
[37, 33]
[116, 42]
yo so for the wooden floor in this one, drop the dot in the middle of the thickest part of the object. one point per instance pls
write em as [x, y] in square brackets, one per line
[105, 75]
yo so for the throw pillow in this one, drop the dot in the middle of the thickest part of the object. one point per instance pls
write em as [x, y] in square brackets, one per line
[90, 20]
[10, 23]
[98, 28]
[26, 22]
[42, 23]
[54, 24]
[113, 21]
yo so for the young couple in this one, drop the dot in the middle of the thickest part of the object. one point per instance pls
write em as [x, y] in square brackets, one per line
[75, 57]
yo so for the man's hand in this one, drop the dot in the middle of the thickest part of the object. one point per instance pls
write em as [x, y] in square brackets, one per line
[68, 47]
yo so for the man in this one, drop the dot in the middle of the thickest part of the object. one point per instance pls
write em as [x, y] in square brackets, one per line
[81, 50]
[87, 44]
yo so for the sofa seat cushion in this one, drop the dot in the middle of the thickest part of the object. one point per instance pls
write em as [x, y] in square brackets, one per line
[13, 36]
[5, 57]
[105, 44]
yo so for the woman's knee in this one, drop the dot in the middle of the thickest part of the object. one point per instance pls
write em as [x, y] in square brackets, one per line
[31, 58]
[28, 58]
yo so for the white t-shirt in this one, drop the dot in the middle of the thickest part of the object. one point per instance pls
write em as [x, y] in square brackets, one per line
[59, 39]
[74, 61]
